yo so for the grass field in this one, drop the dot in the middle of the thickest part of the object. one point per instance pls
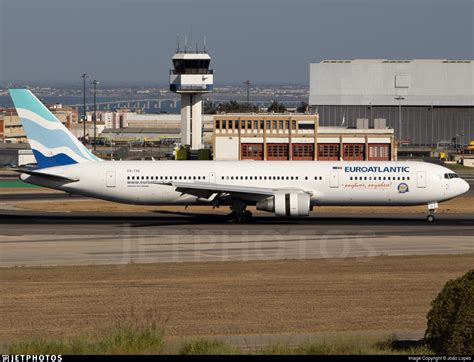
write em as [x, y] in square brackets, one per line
[15, 184]
[378, 295]
[151, 341]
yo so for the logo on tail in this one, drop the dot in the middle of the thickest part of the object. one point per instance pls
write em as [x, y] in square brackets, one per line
[51, 142]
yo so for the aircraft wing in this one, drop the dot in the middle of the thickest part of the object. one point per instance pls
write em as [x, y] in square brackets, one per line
[206, 190]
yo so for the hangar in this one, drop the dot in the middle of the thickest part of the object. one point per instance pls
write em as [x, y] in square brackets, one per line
[426, 101]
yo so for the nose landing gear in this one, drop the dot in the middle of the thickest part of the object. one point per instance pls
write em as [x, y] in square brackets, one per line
[432, 208]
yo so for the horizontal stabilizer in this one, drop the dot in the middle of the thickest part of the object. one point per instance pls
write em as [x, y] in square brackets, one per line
[45, 175]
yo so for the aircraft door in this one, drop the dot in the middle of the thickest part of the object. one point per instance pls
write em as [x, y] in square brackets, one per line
[110, 179]
[334, 179]
[421, 179]
[212, 177]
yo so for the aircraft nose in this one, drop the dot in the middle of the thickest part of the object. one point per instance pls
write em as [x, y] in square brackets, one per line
[464, 187]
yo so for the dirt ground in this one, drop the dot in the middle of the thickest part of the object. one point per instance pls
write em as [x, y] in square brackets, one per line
[463, 205]
[228, 298]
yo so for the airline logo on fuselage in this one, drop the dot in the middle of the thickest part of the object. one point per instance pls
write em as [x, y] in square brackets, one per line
[391, 169]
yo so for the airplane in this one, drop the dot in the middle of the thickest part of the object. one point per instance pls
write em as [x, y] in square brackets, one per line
[285, 188]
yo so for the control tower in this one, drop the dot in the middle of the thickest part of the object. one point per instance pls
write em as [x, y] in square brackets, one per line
[191, 78]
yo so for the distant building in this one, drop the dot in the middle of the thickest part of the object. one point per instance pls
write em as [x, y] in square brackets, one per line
[436, 96]
[297, 137]
[13, 130]
[154, 127]
[16, 154]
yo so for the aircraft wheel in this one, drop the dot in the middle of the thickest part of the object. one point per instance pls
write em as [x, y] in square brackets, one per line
[430, 218]
[233, 217]
[241, 218]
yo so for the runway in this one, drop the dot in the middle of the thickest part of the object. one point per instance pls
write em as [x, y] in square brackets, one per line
[29, 238]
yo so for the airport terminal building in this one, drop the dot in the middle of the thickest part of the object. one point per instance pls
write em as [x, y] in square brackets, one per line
[436, 97]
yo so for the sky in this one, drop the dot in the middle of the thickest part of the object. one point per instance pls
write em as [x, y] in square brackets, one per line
[265, 41]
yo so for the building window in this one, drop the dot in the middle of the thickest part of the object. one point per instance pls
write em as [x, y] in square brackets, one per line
[280, 124]
[255, 125]
[277, 151]
[379, 152]
[328, 151]
[218, 124]
[269, 125]
[275, 124]
[303, 151]
[251, 151]
[249, 124]
[293, 124]
[231, 125]
[354, 151]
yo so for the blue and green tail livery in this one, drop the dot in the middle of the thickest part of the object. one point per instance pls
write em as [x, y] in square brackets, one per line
[51, 142]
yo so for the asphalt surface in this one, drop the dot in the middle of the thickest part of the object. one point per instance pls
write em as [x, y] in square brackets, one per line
[33, 238]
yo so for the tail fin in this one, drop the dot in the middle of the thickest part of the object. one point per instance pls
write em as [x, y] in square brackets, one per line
[51, 142]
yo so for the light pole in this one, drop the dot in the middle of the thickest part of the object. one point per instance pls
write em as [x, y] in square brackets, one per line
[94, 83]
[399, 99]
[84, 116]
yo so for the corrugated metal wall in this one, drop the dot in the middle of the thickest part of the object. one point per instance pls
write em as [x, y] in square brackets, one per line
[423, 126]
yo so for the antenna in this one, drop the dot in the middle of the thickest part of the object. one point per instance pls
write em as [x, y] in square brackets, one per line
[185, 43]
[197, 47]
[205, 44]
[177, 43]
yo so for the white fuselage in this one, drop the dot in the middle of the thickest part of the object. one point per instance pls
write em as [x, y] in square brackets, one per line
[328, 182]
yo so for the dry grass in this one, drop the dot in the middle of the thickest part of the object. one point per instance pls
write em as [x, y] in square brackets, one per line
[228, 298]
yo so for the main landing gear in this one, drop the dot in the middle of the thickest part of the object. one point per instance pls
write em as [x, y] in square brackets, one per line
[239, 214]
[432, 208]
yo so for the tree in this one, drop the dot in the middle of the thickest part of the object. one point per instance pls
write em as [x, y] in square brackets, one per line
[236, 107]
[302, 108]
[451, 318]
[277, 107]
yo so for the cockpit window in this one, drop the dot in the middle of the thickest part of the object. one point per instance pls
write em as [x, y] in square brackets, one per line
[450, 175]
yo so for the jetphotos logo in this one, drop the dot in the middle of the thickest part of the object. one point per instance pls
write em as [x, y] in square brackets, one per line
[32, 358]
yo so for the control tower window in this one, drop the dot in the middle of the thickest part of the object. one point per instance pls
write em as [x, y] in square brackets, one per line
[191, 66]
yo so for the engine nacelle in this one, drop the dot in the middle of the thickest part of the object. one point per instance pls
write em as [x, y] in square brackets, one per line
[293, 204]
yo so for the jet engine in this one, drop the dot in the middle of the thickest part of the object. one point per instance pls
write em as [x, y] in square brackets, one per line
[292, 204]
